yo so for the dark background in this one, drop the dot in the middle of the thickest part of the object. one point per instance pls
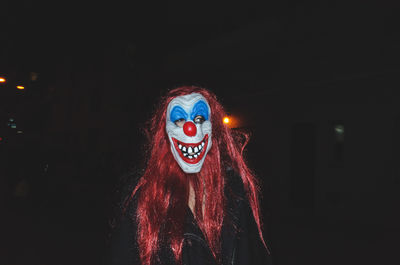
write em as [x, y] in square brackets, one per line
[315, 82]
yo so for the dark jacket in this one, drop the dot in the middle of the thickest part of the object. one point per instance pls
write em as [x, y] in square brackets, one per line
[241, 244]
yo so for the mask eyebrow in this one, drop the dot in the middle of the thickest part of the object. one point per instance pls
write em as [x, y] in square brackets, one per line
[177, 113]
[200, 108]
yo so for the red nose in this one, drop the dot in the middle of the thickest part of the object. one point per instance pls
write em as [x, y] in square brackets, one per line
[189, 128]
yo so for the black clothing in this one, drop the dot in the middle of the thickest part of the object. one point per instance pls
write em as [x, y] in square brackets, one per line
[241, 243]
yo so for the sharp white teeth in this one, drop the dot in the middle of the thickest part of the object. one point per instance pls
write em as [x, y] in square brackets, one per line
[190, 151]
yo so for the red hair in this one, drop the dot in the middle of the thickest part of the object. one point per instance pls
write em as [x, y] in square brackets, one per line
[164, 187]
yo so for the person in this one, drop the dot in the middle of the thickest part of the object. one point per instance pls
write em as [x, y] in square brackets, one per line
[196, 202]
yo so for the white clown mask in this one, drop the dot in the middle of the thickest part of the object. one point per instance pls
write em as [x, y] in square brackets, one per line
[189, 130]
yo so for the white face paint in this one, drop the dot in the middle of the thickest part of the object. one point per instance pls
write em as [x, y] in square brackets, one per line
[191, 142]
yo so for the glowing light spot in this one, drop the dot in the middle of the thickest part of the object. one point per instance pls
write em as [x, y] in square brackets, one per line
[226, 120]
[20, 87]
[339, 129]
[2, 80]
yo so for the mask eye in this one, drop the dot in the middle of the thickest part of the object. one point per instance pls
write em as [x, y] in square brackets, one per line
[180, 122]
[199, 119]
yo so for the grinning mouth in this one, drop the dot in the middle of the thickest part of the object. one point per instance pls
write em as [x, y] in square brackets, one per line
[191, 153]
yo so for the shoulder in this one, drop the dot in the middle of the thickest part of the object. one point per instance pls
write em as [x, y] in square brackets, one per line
[249, 248]
[234, 180]
[235, 198]
[234, 188]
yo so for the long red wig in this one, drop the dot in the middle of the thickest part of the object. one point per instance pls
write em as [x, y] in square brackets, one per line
[164, 188]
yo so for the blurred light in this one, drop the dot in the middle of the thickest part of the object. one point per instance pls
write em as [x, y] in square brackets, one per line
[226, 120]
[339, 129]
[1, 138]
[339, 132]
[34, 76]
[11, 123]
[20, 87]
[2, 80]
[20, 132]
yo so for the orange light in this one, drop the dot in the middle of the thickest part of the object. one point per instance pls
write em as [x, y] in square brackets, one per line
[226, 120]
[2, 80]
[20, 87]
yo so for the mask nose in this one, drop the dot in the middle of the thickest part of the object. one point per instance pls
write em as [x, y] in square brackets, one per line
[189, 128]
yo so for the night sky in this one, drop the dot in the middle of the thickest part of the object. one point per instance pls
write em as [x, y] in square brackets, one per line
[314, 82]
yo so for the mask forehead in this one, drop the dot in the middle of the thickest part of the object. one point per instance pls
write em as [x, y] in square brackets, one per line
[187, 103]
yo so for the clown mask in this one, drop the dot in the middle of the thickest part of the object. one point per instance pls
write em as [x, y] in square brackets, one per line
[189, 130]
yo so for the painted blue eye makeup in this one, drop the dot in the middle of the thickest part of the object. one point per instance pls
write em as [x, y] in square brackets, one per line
[200, 109]
[178, 113]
